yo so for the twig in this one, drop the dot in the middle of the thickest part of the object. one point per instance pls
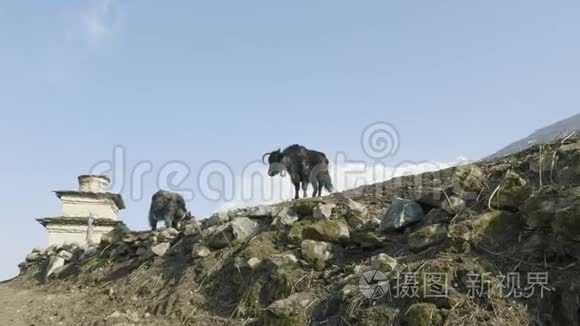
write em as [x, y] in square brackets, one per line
[497, 189]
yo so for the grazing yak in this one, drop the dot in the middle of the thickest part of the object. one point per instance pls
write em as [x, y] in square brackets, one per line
[169, 207]
[304, 166]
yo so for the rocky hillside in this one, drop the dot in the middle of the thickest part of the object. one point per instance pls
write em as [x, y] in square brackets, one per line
[490, 244]
[548, 134]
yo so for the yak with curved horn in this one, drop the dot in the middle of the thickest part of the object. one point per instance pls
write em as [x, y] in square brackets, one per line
[304, 166]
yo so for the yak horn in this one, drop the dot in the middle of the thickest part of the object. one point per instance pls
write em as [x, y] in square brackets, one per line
[264, 156]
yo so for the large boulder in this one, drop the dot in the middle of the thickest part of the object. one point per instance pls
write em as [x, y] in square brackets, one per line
[427, 236]
[541, 210]
[402, 213]
[512, 192]
[317, 253]
[494, 227]
[331, 231]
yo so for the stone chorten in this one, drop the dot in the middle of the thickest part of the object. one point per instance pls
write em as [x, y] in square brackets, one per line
[91, 203]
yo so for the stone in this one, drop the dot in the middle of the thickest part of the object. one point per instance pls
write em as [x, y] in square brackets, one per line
[168, 234]
[427, 236]
[142, 251]
[421, 314]
[454, 205]
[285, 217]
[161, 249]
[115, 235]
[89, 253]
[191, 229]
[429, 197]
[305, 207]
[512, 193]
[383, 263]
[468, 178]
[221, 237]
[54, 264]
[330, 231]
[542, 209]
[402, 213]
[217, 219]
[367, 239]
[317, 253]
[290, 311]
[34, 256]
[65, 255]
[566, 170]
[323, 211]
[357, 214]
[283, 259]
[253, 262]
[437, 216]
[460, 236]
[200, 251]
[494, 227]
[243, 228]
[261, 212]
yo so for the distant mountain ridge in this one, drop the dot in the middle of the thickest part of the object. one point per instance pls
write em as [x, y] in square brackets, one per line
[547, 134]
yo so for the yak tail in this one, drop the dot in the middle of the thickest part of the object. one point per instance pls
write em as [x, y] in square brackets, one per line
[325, 181]
[152, 218]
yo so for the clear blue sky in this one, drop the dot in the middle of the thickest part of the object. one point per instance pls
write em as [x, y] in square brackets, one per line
[196, 81]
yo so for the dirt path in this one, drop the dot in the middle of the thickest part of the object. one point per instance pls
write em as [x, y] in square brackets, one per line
[13, 304]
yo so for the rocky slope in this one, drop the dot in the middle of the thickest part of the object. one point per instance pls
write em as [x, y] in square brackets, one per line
[495, 243]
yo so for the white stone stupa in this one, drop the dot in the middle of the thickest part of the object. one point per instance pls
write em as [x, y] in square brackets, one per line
[87, 214]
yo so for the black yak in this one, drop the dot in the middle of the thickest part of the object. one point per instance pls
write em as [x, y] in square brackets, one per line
[304, 166]
[169, 207]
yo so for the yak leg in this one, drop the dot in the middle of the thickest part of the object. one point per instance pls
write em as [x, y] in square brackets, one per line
[304, 189]
[296, 190]
[168, 221]
[153, 224]
[315, 185]
[320, 189]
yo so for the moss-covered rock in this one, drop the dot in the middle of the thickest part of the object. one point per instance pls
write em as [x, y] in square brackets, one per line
[453, 205]
[273, 279]
[494, 226]
[421, 314]
[567, 169]
[367, 239]
[317, 253]
[427, 236]
[377, 316]
[468, 178]
[305, 207]
[512, 193]
[383, 263]
[295, 233]
[331, 231]
[260, 247]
